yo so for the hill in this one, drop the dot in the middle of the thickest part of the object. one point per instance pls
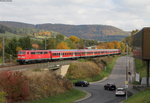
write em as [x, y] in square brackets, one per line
[96, 32]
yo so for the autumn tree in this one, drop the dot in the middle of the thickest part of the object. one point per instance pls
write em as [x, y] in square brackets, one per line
[70, 44]
[109, 45]
[51, 43]
[35, 46]
[18, 48]
[60, 38]
[62, 45]
[74, 39]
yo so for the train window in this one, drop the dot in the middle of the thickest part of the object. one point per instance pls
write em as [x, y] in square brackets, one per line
[32, 52]
[21, 52]
[45, 53]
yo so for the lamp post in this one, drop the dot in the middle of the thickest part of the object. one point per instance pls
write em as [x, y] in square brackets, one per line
[45, 43]
[126, 82]
[3, 51]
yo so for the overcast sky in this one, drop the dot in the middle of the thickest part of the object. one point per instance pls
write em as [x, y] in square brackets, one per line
[124, 14]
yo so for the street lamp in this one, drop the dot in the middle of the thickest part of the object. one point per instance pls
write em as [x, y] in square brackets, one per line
[126, 82]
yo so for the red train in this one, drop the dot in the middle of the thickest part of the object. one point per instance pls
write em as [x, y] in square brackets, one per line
[33, 56]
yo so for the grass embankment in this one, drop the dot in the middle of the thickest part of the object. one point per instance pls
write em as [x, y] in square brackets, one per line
[141, 97]
[91, 70]
[67, 97]
[140, 67]
[107, 70]
[47, 87]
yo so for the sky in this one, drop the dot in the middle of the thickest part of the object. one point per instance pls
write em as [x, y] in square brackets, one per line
[124, 14]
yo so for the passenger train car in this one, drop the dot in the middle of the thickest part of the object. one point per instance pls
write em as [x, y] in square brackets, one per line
[33, 56]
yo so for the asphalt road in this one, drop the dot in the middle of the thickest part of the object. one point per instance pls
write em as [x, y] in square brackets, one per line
[98, 94]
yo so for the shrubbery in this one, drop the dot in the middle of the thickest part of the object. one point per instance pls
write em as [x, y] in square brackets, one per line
[92, 69]
[20, 86]
[45, 83]
[15, 85]
[80, 70]
[2, 97]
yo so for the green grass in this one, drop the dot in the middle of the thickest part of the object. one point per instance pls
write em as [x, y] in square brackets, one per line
[140, 67]
[108, 69]
[141, 97]
[67, 97]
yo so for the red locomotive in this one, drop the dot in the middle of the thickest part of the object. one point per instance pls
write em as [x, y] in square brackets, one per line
[33, 56]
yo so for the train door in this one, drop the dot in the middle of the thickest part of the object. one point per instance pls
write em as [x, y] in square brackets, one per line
[61, 54]
[28, 55]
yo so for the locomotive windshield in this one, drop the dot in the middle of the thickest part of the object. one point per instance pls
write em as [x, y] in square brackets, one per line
[21, 52]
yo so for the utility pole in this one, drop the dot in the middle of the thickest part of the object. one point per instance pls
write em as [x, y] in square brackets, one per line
[126, 82]
[3, 43]
[45, 44]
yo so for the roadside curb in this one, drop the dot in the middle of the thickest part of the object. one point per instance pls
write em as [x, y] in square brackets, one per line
[87, 93]
[87, 96]
[105, 78]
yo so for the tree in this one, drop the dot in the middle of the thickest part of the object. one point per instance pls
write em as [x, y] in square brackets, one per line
[1, 46]
[117, 45]
[18, 48]
[35, 46]
[62, 45]
[74, 39]
[51, 44]
[11, 47]
[60, 38]
[25, 43]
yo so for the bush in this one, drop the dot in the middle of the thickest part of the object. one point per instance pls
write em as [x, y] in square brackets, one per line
[15, 85]
[2, 97]
[45, 83]
[80, 70]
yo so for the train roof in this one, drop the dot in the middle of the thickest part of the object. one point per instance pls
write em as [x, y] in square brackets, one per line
[54, 50]
[69, 50]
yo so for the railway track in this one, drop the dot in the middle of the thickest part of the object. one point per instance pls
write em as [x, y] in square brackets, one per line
[35, 66]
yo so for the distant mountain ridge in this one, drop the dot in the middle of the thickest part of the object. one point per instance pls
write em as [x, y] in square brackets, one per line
[96, 32]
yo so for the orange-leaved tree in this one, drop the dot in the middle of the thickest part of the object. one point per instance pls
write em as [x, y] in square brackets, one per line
[62, 45]
[35, 46]
[74, 39]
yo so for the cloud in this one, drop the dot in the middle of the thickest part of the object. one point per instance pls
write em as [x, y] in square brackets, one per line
[124, 14]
